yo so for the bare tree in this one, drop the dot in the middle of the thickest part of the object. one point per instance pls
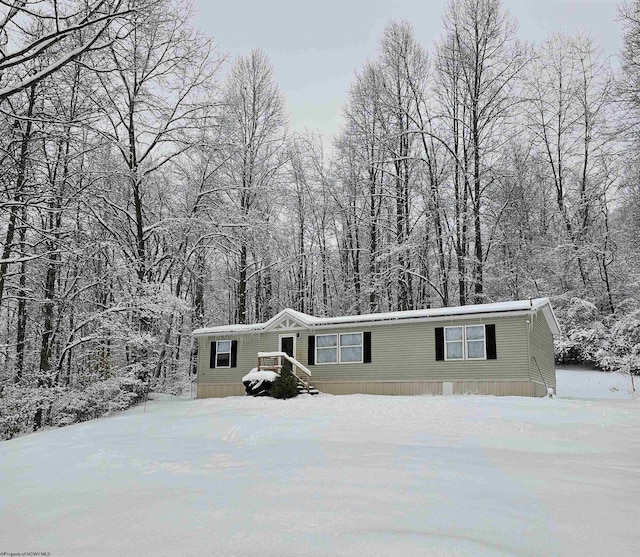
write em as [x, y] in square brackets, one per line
[402, 66]
[61, 31]
[628, 82]
[362, 137]
[152, 103]
[568, 95]
[255, 125]
[481, 49]
[379, 153]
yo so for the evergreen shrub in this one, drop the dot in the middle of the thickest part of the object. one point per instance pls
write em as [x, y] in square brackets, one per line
[285, 385]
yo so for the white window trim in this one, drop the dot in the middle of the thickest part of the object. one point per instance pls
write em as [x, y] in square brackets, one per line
[338, 347]
[484, 342]
[361, 345]
[218, 352]
[464, 340]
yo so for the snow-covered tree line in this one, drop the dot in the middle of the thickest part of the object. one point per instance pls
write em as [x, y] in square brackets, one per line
[150, 186]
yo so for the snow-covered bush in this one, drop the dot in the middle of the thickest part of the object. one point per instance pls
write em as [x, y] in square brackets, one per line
[610, 344]
[606, 360]
[623, 347]
[26, 409]
[584, 333]
[118, 393]
[73, 407]
[581, 313]
[581, 345]
[258, 383]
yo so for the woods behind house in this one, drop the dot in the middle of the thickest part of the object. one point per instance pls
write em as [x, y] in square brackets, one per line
[150, 186]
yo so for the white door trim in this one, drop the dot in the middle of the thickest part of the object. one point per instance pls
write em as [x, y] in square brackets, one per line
[293, 336]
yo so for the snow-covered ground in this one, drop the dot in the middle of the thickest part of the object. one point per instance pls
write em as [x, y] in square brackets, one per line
[351, 475]
[579, 382]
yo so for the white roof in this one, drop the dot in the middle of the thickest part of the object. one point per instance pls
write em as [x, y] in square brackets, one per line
[296, 319]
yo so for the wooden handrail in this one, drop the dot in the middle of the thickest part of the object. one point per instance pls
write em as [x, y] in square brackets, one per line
[286, 356]
[295, 364]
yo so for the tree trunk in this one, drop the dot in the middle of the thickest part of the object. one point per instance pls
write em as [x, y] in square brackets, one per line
[17, 197]
[21, 318]
[242, 285]
[479, 254]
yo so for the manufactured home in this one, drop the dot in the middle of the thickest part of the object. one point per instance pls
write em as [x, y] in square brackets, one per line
[490, 349]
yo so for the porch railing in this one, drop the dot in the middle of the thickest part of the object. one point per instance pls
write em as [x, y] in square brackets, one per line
[299, 370]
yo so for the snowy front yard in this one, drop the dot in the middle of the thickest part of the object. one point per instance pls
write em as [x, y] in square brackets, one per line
[352, 475]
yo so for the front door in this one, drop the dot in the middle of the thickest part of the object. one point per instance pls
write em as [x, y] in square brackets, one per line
[287, 345]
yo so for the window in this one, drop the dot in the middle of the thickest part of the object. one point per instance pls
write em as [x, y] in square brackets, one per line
[351, 348]
[223, 353]
[327, 349]
[475, 342]
[345, 348]
[465, 343]
[453, 342]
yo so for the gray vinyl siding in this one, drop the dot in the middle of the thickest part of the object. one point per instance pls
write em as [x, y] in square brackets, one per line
[249, 344]
[247, 359]
[399, 352]
[542, 352]
[407, 352]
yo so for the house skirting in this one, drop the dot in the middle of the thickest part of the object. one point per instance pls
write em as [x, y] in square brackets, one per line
[495, 388]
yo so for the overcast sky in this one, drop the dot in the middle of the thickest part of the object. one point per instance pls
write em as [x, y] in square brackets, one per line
[316, 47]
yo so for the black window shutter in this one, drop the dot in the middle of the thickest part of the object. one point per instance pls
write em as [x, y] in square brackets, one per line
[311, 354]
[212, 355]
[439, 344]
[234, 353]
[490, 331]
[366, 339]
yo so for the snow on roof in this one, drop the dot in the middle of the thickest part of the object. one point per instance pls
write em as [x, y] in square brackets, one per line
[310, 321]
